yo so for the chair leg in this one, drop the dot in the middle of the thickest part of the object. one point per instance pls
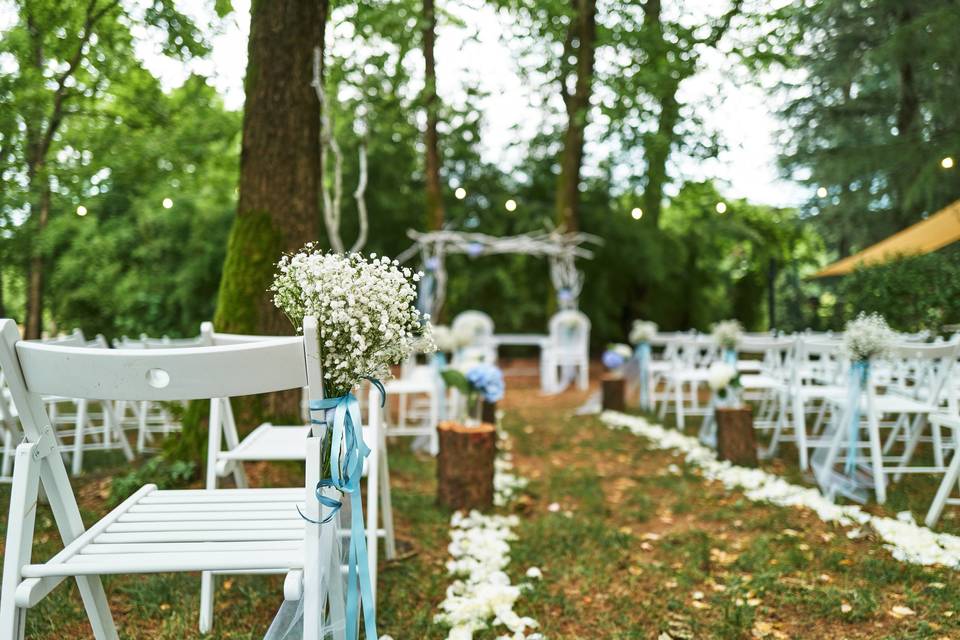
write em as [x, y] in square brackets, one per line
[800, 432]
[913, 434]
[19, 545]
[876, 455]
[386, 503]
[207, 587]
[678, 399]
[142, 426]
[111, 424]
[78, 437]
[950, 479]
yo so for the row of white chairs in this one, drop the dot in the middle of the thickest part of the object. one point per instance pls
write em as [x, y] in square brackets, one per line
[801, 387]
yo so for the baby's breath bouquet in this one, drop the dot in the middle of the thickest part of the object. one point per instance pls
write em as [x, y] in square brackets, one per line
[867, 337]
[727, 333]
[365, 311]
[642, 331]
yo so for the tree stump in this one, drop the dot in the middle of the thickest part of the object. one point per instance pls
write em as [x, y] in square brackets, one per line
[488, 412]
[736, 441]
[612, 392]
[465, 466]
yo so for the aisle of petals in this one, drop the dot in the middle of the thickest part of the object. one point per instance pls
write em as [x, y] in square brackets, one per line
[906, 540]
[482, 595]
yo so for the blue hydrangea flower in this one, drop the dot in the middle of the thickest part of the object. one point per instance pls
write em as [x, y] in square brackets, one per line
[488, 381]
[612, 360]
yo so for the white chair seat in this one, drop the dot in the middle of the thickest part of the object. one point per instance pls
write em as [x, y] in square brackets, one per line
[156, 531]
[885, 404]
[753, 366]
[761, 381]
[274, 442]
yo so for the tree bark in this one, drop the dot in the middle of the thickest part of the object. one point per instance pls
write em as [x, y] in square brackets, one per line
[613, 391]
[435, 210]
[465, 466]
[279, 203]
[580, 44]
[35, 282]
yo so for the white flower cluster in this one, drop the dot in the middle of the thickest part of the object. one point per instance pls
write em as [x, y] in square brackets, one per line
[444, 338]
[727, 333]
[364, 309]
[642, 331]
[480, 547]
[906, 541]
[869, 336]
[506, 484]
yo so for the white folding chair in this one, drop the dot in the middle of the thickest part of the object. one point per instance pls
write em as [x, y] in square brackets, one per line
[226, 453]
[951, 477]
[9, 431]
[420, 400]
[565, 355]
[902, 409]
[478, 328]
[156, 531]
[688, 373]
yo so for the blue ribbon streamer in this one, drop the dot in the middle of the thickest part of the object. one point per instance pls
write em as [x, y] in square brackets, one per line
[642, 353]
[347, 452]
[859, 374]
[730, 357]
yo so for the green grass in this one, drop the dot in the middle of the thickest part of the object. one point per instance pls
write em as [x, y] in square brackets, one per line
[634, 551]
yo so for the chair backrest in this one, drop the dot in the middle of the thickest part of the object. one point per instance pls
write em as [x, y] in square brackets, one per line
[923, 371]
[570, 330]
[820, 360]
[775, 353]
[476, 323]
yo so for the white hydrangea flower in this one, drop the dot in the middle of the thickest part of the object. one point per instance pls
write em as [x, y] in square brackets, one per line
[720, 375]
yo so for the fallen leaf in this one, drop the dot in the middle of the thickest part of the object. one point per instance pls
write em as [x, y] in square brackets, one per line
[901, 611]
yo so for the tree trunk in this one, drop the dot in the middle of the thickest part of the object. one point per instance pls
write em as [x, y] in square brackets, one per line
[465, 466]
[278, 209]
[34, 322]
[435, 212]
[659, 144]
[581, 44]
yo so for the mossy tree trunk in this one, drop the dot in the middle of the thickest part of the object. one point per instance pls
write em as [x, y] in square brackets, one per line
[279, 203]
[580, 47]
[435, 211]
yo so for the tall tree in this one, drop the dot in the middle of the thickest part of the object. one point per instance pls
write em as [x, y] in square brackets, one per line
[435, 210]
[280, 171]
[576, 88]
[67, 55]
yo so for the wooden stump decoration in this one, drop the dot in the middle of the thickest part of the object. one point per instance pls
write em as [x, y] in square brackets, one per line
[465, 466]
[613, 392]
[488, 412]
[736, 441]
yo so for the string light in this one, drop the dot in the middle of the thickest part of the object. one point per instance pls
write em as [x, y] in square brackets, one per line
[460, 193]
[822, 192]
[721, 207]
[81, 211]
[510, 205]
[947, 163]
[637, 213]
[167, 203]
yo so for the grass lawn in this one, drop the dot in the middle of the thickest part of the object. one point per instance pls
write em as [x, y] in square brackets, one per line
[632, 543]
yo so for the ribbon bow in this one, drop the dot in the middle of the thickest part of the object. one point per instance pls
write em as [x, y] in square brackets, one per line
[347, 453]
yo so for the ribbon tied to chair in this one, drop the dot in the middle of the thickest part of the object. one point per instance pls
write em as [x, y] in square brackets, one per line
[642, 354]
[347, 453]
[859, 374]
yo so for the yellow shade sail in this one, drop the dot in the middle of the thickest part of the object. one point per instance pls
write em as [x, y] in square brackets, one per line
[928, 235]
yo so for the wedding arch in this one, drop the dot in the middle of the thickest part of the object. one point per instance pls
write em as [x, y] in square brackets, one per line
[559, 248]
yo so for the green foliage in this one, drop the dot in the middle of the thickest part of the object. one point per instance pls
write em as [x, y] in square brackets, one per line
[157, 470]
[912, 293]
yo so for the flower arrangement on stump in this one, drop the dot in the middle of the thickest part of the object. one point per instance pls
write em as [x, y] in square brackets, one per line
[641, 333]
[612, 385]
[366, 322]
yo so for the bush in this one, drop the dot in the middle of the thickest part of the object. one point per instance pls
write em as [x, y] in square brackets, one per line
[912, 293]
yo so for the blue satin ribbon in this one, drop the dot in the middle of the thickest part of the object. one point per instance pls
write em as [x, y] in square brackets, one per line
[859, 374]
[730, 357]
[347, 452]
[642, 354]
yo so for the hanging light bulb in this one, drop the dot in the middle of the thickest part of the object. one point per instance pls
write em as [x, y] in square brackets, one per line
[510, 205]
[167, 203]
[822, 192]
[460, 193]
[947, 163]
[721, 207]
[81, 211]
[637, 213]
